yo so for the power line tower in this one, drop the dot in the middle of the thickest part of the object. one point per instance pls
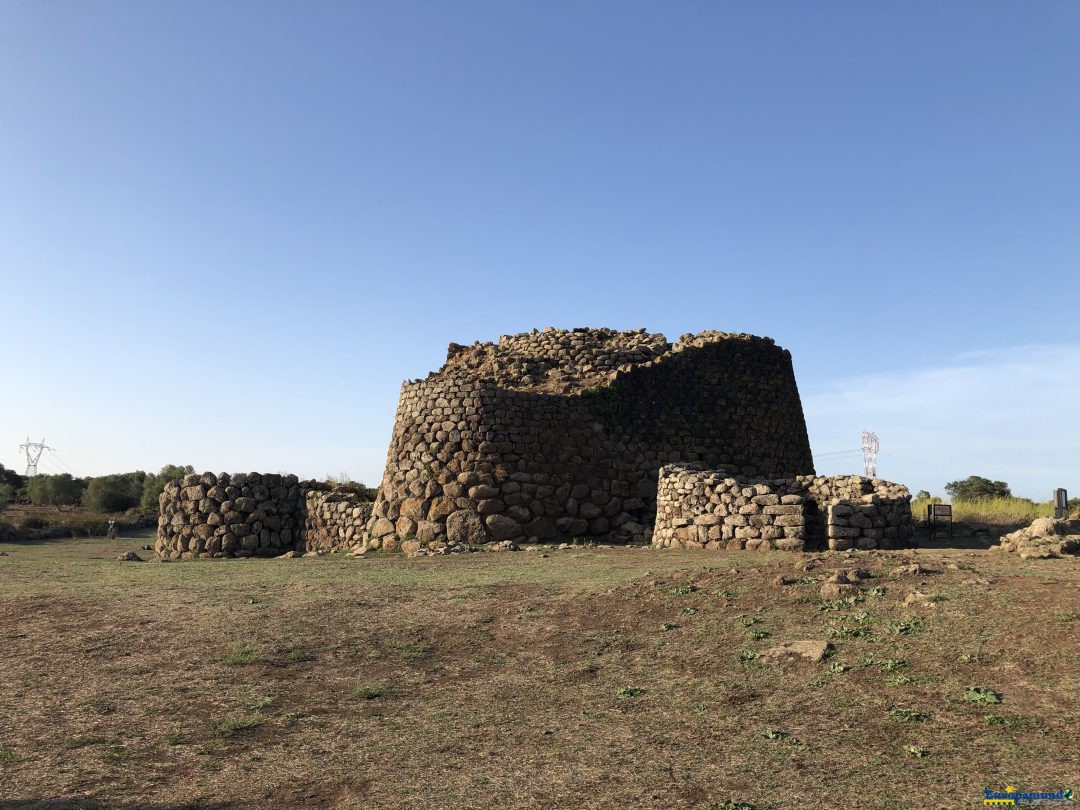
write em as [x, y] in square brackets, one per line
[33, 452]
[870, 448]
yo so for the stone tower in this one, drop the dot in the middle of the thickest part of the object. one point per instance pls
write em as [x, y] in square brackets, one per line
[561, 434]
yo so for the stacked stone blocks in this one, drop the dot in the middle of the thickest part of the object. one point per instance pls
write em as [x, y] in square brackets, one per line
[713, 509]
[255, 515]
[558, 435]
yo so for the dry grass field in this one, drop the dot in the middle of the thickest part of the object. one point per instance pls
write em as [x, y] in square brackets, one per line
[590, 678]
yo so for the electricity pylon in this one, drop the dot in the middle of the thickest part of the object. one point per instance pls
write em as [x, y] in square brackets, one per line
[33, 452]
[870, 448]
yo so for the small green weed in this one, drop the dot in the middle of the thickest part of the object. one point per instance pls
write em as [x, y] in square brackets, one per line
[631, 692]
[683, 590]
[902, 715]
[980, 694]
[367, 692]
[757, 635]
[836, 668]
[907, 627]
[1067, 616]
[669, 626]
[747, 655]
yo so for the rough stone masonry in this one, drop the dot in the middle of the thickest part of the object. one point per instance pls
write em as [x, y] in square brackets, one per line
[556, 435]
[256, 515]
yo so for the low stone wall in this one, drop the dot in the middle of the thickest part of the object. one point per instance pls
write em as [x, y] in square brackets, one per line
[237, 515]
[712, 509]
[335, 520]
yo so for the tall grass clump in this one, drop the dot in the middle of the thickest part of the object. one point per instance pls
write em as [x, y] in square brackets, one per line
[999, 511]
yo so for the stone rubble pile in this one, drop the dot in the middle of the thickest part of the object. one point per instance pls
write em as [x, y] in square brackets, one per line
[1044, 538]
[554, 360]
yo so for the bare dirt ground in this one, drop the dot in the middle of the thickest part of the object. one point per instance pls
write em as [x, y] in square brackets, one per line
[587, 679]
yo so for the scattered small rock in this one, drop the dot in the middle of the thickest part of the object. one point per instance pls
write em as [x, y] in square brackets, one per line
[130, 556]
[918, 598]
[795, 651]
[290, 555]
[914, 569]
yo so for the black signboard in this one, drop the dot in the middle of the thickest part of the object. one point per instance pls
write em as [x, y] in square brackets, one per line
[938, 516]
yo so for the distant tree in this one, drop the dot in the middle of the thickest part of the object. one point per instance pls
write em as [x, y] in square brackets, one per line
[154, 484]
[54, 490]
[7, 494]
[11, 477]
[922, 495]
[114, 493]
[977, 488]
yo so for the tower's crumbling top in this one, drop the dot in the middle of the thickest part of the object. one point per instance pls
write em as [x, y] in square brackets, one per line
[565, 361]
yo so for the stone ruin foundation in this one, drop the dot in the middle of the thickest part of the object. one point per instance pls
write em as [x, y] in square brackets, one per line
[557, 435]
[561, 435]
[713, 509]
[256, 515]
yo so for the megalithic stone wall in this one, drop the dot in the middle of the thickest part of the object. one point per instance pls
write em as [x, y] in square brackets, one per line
[256, 515]
[713, 509]
[334, 520]
[229, 515]
[557, 435]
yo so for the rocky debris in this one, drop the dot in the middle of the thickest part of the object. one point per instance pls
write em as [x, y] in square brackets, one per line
[130, 556]
[918, 599]
[554, 360]
[1045, 538]
[795, 652]
[713, 509]
[839, 586]
[913, 570]
[290, 555]
[411, 548]
[3, 554]
[972, 581]
[146, 548]
[505, 545]
[781, 581]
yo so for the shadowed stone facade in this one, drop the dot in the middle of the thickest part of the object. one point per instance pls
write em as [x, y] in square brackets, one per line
[559, 434]
[255, 515]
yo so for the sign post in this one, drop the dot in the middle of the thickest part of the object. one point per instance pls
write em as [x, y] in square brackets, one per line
[1061, 504]
[939, 515]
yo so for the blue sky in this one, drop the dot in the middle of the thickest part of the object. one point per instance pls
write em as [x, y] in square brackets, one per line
[228, 231]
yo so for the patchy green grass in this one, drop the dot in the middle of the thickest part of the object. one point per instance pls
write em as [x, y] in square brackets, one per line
[527, 681]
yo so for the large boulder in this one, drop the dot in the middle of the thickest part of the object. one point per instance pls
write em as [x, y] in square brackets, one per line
[466, 527]
[502, 527]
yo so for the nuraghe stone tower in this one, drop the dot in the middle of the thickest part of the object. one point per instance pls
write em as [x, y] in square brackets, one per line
[561, 434]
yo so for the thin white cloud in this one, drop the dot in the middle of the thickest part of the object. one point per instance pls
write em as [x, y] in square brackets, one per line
[1008, 414]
